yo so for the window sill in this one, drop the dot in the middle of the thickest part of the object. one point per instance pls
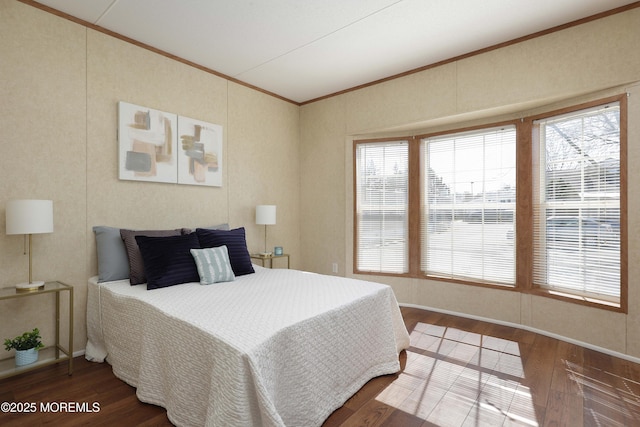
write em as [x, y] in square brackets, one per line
[422, 276]
[578, 299]
[547, 293]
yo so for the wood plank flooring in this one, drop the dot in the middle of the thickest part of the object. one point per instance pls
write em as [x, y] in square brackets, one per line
[457, 372]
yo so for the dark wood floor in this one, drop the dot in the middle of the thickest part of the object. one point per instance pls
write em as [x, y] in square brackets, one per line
[457, 372]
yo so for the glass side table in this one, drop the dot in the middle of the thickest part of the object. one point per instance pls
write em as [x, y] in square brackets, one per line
[50, 354]
[271, 257]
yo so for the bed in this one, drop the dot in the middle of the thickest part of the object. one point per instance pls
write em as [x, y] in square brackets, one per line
[271, 348]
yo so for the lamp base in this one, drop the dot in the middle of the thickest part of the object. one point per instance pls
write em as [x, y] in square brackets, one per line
[30, 287]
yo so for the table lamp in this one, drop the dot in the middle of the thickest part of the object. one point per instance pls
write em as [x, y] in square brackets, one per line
[29, 217]
[265, 215]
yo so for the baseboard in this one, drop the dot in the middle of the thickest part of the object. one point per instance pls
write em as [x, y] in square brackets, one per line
[530, 329]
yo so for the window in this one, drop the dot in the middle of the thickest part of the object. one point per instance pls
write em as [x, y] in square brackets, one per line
[536, 205]
[382, 206]
[576, 214]
[468, 205]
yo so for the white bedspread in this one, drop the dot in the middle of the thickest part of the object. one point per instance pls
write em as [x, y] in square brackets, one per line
[279, 347]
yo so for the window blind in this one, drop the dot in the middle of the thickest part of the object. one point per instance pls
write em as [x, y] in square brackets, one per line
[468, 206]
[577, 203]
[382, 199]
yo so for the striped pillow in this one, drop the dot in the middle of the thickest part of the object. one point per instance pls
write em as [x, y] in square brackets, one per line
[137, 274]
[213, 265]
[236, 244]
[167, 260]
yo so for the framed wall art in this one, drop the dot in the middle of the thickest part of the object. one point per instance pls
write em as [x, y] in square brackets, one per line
[147, 144]
[200, 152]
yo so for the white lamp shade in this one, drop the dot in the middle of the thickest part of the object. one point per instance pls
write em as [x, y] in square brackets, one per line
[29, 216]
[266, 214]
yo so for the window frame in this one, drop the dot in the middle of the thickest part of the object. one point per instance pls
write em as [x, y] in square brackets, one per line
[466, 130]
[412, 193]
[526, 165]
[533, 151]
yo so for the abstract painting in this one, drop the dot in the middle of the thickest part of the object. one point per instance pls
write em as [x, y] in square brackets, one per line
[200, 153]
[147, 140]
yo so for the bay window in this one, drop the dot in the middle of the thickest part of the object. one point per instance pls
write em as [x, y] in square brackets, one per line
[536, 205]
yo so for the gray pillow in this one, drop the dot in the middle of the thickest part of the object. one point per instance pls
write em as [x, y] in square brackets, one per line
[113, 263]
[136, 264]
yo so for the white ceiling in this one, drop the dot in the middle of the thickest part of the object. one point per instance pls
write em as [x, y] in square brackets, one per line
[306, 49]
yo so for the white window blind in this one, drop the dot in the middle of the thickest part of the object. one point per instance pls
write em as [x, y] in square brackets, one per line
[577, 203]
[382, 207]
[468, 206]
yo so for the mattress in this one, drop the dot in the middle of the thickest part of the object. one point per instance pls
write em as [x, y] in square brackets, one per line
[274, 348]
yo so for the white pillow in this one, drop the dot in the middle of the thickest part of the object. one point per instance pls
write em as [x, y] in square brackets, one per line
[213, 265]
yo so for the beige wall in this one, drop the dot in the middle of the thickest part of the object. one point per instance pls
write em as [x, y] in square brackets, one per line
[593, 60]
[59, 89]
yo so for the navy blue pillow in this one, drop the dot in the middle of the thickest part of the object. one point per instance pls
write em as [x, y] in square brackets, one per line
[168, 260]
[236, 244]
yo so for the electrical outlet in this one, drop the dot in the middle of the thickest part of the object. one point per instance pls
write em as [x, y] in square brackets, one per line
[335, 267]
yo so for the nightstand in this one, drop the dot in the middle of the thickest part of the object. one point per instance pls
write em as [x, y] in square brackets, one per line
[271, 258]
[50, 354]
